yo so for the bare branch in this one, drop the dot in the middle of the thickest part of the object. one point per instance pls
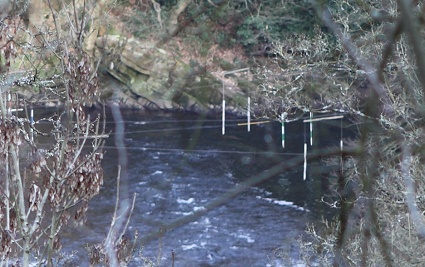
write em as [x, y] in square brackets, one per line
[369, 70]
[417, 217]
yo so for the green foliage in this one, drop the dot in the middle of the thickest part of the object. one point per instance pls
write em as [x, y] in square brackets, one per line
[167, 4]
[224, 40]
[249, 23]
[141, 23]
[225, 65]
[251, 32]
[270, 21]
[195, 43]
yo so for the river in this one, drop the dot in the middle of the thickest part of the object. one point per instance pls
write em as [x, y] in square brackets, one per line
[178, 164]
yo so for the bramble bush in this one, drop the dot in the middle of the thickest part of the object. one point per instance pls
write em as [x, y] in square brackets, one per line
[43, 189]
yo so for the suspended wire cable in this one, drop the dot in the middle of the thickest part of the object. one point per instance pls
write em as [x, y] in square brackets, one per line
[171, 129]
[208, 151]
[178, 129]
[143, 122]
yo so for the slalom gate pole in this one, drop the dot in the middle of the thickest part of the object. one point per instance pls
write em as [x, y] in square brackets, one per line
[248, 114]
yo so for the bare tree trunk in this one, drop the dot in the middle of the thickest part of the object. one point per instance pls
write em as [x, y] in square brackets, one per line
[174, 14]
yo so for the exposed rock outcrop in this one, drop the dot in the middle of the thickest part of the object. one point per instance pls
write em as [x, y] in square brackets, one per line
[150, 76]
[158, 79]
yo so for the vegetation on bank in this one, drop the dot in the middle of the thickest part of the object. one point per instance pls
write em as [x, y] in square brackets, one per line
[45, 188]
[362, 58]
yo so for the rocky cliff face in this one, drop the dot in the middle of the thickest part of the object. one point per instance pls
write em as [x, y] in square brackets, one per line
[158, 79]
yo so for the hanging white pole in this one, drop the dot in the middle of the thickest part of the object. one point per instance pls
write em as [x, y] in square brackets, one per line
[305, 162]
[248, 114]
[9, 103]
[223, 116]
[311, 128]
[283, 134]
[283, 128]
[32, 123]
[32, 117]
[341, 143]
[223, 131]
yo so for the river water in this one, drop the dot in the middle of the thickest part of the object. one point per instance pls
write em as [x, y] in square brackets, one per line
[178, 164]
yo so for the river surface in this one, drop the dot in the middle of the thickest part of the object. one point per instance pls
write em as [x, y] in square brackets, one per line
[180, 163]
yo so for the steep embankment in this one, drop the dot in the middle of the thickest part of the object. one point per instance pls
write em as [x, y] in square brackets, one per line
[183, 56]
[188, 68]
[162, 78]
